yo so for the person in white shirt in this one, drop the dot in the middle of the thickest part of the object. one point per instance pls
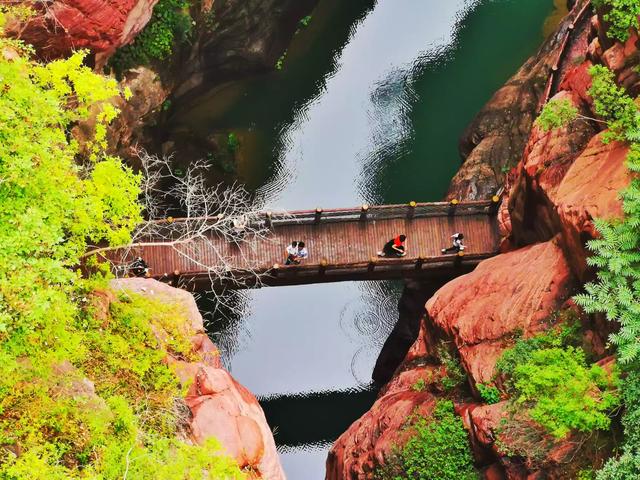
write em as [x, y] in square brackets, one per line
[296, 252]
[291, 252]
[302, 252]
[457, 244]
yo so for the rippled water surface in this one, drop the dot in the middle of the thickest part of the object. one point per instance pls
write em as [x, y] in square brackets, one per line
[369, 107]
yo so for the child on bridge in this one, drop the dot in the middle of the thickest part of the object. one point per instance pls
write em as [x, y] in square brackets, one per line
[457, 244]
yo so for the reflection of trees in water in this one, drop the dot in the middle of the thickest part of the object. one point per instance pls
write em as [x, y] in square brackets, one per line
[224, 314]
[367, 321]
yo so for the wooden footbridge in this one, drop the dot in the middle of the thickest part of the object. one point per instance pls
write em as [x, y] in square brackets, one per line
[342, 245]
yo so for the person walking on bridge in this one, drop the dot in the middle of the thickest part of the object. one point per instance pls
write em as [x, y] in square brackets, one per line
[457, 244]
[396, 247]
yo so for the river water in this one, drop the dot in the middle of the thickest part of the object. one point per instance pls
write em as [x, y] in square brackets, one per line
[368, 107]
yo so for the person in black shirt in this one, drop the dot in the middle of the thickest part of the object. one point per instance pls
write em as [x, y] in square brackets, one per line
[139, 267]
[395, 247]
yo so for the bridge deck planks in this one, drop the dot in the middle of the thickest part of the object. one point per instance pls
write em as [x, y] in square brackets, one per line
[336, 242]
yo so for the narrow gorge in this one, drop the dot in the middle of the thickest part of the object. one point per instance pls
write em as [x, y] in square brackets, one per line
[120, 117]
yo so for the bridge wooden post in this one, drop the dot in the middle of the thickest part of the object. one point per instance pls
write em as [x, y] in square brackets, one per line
[318, 215]
[419, 263]
[372, 264]
[412, 209]
[495, 204]
[363, 212]
[268, 221]
[323, 266]
[453, 204]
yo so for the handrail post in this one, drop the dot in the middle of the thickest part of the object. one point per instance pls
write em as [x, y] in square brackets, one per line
[318, 215]
[412, 209]
[268, 221]
[323, 266]
[372, 264]
[495, 204]
[419, 263]
[453, 204]
[363, 212]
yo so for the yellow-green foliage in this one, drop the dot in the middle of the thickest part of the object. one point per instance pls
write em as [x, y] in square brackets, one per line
[55, 419]
[437, 448]
[49, 205]
[83, 393]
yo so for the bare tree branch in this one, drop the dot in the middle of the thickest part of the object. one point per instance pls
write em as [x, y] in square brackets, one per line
[206, 214]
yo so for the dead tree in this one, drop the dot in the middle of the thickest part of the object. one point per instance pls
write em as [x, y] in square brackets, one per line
[205, 213]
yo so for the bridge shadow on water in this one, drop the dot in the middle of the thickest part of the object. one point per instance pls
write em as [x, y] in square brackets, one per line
[315, 418]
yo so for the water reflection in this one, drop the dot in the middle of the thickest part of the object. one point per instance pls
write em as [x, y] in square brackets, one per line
[308, 338]
[329, 143]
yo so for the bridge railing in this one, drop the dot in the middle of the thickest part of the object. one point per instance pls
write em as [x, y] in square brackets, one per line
[384, 212]
[164, 228]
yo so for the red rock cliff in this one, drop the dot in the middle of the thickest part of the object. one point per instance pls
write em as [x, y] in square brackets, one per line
[98, 25]
[220, 406]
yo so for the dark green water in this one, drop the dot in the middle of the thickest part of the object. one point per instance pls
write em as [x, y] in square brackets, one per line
[369, 107]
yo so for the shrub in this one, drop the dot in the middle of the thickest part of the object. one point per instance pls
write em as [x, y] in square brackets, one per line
[556, 114]
[614, 105]
[622, 15]
[455, 374]
[489, 393]
[438, 448]
[558, 336]
[232, 142]
[562, 393]
[420, 385]
[169, 24]
[627, 465]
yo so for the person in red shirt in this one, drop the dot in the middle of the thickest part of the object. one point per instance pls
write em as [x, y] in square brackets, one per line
[396, 247]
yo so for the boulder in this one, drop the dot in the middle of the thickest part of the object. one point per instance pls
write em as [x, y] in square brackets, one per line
[220, 407]
[237, 38]
[546, 160]
[623, 60]
[101, 26]
[515, 292]
[141, 111]
[224, 409]
[590, 189]
[369, 441]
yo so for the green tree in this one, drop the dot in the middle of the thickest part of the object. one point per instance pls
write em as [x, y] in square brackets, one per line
[56, 197]
[622, 16]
